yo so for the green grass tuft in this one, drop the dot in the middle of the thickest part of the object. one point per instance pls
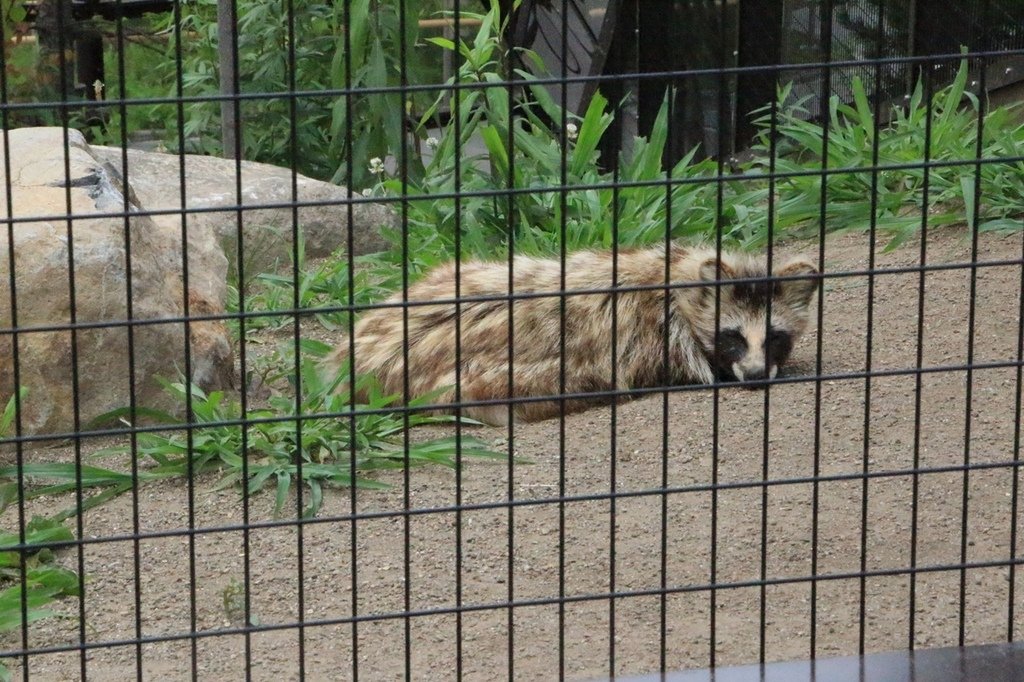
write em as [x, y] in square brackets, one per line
[323, 452]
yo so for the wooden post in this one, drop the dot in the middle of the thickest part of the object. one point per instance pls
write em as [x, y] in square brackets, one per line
[55, 66]
[226, 51]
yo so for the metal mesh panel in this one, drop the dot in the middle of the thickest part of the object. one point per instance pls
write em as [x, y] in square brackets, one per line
[392, 361]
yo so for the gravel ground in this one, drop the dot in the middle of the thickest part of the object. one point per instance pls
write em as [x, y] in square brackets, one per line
[742, 533]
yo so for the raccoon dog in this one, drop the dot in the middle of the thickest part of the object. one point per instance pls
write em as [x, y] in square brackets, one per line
[745, 347]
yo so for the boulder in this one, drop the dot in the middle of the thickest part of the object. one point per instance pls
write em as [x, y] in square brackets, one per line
[210, 183]
[46, 179]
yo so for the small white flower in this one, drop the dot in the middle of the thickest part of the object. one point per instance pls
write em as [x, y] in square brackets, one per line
[571, 131]
[367, 192]
[433, 143]
[376, 165]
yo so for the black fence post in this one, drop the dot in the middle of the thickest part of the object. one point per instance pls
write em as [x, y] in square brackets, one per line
[760, 44]
[622, 59]
[661, 50]
[89, 64]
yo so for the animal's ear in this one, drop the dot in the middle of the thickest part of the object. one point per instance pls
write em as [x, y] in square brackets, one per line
[797, 293]
[713, 270]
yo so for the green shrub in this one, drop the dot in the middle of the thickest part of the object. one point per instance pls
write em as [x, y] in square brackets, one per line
[43, 581]
[900, 195]
[28, 578]
[321, 123]
[684, 201]
[279, 452]
[323, 285]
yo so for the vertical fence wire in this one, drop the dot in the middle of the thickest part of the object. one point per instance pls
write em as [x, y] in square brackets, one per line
[563, 251]
[508, 60]
[190, 416]
[243, 348]
[122, 113]
[459, 350]
[723, 101]
[76, 410]
[665, 372]
[825, 52]
[1011, 577]
[926, 77]
[773, 151]
[869, 338]
[975, 219]
[613, 426]
[297, 315]
[351, 388]
[16, 397]
[403, 171]
[613, 416]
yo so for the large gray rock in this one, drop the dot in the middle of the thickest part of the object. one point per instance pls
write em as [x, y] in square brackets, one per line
[41, 289]
[210, 183]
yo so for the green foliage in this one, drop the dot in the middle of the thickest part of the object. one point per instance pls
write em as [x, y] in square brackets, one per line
[372, 124]
[30, 81]
[233, 598]
[26, 83]
[301, 441]
[263, 67]
[142, 59]
[277, 447]
[323, 285]
[29, 577]
[542, 138]
[39, 582]
[61, 477]
[321, 124]
[10, 411]
[14, 12]
[684, 201]
[952, 192]
[43, 581]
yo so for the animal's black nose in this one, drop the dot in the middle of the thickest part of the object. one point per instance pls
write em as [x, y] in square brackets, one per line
[755, 375]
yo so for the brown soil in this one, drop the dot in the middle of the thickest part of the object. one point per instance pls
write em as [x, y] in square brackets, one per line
[746, 453]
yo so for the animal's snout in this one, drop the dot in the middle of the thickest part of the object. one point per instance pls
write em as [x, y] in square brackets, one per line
[755, 374]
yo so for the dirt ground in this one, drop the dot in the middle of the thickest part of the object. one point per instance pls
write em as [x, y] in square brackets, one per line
[630, 562]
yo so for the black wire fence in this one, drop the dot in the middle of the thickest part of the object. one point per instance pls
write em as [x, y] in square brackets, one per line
[211, 456]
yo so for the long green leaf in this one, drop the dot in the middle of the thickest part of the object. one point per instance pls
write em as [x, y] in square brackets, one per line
[591, 130]
[7, 417]
[496, 147]
[864, 114]
[967, 189]
[284, 481]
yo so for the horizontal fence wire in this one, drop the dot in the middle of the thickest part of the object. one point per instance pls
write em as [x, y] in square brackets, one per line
[528, 603]
[621, 393]
[539, 502]
[531, 191]
[635, 558]
[540, 80]
[568, 293]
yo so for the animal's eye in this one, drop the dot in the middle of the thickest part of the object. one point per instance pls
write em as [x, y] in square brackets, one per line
[730, 343]
[778, 345]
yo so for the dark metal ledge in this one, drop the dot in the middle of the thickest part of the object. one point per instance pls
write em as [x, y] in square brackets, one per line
[985, 663]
